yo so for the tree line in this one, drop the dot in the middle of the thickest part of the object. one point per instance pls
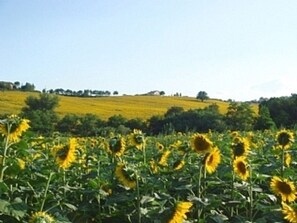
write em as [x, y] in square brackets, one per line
[80, 93]
[240, 116]
[273, 113]
[4, 85]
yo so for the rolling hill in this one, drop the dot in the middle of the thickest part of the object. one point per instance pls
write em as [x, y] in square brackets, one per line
[11, 102]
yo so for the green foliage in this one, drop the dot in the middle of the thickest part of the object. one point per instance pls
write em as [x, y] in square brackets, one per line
[264, 121]
[69, 124]
[202, 95]
[45, 102]
[136, 123]
[175, 110]
[156, 124]
[12, 210]
[90, 191]
[6, 85]
[42, 121]
[28, 87]
[89, 125]
[86, 125]
[116, 120]
[283, 110]
[240, 116]
[40, 111]
[176, 119]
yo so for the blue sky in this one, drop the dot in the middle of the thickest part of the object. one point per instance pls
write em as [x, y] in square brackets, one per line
[240, 50]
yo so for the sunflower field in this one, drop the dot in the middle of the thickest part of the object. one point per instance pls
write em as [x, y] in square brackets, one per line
[183, 177]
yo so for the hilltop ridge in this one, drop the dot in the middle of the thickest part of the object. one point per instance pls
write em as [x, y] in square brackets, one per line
[138, 106]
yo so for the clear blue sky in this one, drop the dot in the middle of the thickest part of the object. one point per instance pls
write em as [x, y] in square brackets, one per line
[232, 49]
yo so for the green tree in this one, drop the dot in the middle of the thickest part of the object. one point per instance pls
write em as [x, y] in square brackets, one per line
[264, 120]
[175, 110]
[240, 116]
[116, 120]
[136, 123]
[28, 87]
[69, 124]
[40, 111]
[283, 110]
[200, 120]
[17, 84]
[202, 95]
[156, 124]
[89, 125]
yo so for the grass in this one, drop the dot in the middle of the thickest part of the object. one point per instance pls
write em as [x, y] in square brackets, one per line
[144, 107]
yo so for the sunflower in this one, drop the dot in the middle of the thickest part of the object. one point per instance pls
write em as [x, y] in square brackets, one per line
[234, 134]
[164, 158]
[212, 160]
[160, 146]
[181, 147]
[106, 189]
[41, 217]
[176, 145]
[288, 159]
[289, 212]
[240, 146]
[178, 164]
[13, 127]
[123, 177]
[285, 138]
[201, 144]
[65, 154]
[137, 139]
[284, 188]
[116, 146]
[181, 209]
[153, 166]
[240, 167]
[21, 163]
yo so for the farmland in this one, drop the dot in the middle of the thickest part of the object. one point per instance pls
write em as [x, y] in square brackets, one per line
[127, 177]
[213, 177]
[104, 107]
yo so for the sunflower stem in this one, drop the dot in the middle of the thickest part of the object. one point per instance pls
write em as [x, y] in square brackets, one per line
[5, 151]
[113, 164]
[232, 191]
[251, 195]
[138, 199]
[64, 182]
[99, 196]
[204, 180]
[46, 190]
[199, 191]
[283, 161]
[144, 155]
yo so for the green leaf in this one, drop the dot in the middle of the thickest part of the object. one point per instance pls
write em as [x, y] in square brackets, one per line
[143, 211]
[16, 209]
[3, 187]
[93, 184]
[203, 201]
[218, 217]
[70, 206]
[146, 199]
[4, 206]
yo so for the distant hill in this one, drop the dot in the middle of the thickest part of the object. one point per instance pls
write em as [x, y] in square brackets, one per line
[143, 107]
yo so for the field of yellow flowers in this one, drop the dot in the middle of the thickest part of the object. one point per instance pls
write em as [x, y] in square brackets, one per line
[144, 107]
[192, 177]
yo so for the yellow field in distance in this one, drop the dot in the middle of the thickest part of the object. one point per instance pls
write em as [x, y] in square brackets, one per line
[144, 107]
